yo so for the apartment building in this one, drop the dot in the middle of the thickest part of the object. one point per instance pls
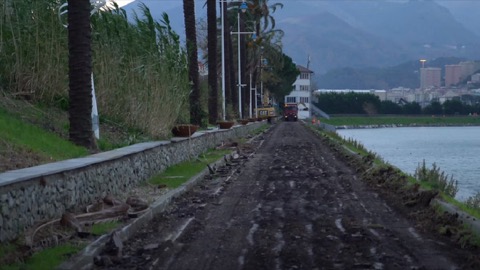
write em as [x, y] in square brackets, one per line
[453, 74]
[430, 77]
[468, 68]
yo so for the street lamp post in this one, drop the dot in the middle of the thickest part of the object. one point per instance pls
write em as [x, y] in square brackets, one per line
[423, 62]
[243, 8]
[239, 67]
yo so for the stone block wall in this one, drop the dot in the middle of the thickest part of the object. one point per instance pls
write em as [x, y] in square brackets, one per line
[32, 195]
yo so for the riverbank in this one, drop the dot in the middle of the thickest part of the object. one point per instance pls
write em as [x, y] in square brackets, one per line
[382, 121]
[403, 125]
[453, 149]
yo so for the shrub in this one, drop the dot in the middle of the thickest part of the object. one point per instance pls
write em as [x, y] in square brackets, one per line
[437, 179]
[474, 201]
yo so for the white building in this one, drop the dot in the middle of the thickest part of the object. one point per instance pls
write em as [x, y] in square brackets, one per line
[476, 78]
[302, 92]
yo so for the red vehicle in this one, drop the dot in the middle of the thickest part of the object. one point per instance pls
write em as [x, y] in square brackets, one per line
[290, 112]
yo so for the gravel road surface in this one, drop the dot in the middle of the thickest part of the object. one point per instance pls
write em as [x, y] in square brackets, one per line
[290, 201]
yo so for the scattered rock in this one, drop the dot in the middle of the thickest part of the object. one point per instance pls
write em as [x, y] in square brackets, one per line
[114, 246]
[150, 247]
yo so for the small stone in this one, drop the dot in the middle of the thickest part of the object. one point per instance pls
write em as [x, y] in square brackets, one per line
[357, 234]
[102, 261]
[151, 246]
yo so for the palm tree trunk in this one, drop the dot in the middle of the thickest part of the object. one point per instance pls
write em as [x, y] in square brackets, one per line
[212, 61]
[80, 70]
[191, 37]
[229, 71]
[226, 34]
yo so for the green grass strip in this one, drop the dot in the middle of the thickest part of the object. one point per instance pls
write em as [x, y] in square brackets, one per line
[46, 259]
[465, 208]
[33, 138]
[176, 175]
[401, 120]
[104, 227]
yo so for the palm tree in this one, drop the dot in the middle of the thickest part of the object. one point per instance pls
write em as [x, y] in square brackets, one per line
[80, 70]
[230, 95]
[191, 37]
[229, 59]
[262, 12]
[268, 36]
[212, 61]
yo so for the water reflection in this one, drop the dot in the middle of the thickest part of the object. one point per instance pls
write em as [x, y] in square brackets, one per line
[454, 149]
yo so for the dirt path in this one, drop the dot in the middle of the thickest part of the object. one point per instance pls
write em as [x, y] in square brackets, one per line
[293, 204]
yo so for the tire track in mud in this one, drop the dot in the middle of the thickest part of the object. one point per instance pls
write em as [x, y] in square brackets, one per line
[292, 205]
[358, 233]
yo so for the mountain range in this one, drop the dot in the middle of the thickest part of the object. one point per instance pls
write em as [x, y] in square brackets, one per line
[346, 33]
[403, 75]
[373, 33]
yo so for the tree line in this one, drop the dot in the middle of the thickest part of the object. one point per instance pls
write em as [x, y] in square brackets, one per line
[370, 104]
[144, 77]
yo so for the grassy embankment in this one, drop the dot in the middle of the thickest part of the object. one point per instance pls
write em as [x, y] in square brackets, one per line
[23, 144]
[402, 120]
[471, 206]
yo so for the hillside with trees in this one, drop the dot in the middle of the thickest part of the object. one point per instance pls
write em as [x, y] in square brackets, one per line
[361, 34]
[406, 74]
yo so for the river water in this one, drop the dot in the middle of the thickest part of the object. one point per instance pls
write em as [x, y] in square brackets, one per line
[456, 150]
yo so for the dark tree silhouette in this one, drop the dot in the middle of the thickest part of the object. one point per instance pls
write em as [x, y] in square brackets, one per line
[191, 37]
[212, 61]
[230, 93]
[80, 70]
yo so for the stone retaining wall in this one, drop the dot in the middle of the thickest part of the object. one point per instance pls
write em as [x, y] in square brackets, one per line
[32, 195]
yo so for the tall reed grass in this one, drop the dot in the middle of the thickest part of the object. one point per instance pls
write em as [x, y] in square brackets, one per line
[33, 50]
[139, 65]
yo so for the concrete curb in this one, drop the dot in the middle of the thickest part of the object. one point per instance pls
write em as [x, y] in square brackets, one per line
[472, 223]
[84, 259]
